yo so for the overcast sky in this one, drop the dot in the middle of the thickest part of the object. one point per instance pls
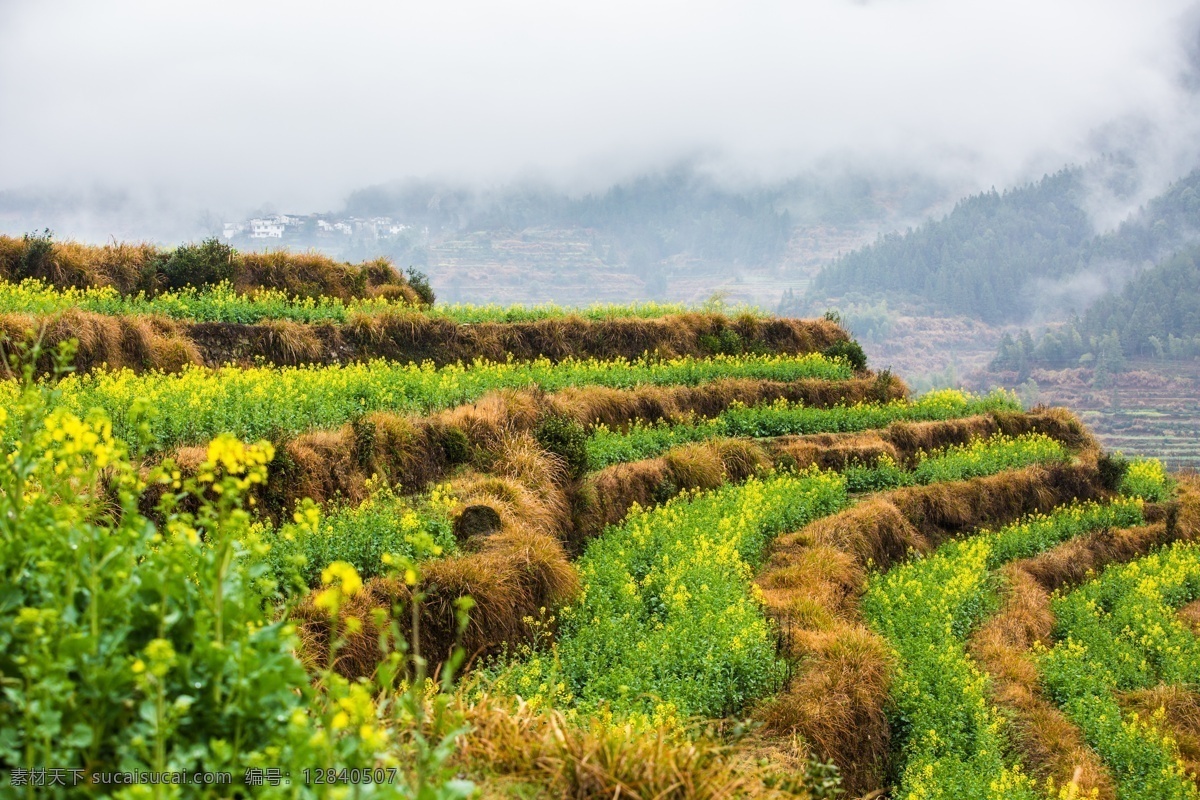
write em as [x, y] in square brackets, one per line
[296, 103]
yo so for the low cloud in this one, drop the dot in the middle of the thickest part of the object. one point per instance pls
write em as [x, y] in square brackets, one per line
[225, 106]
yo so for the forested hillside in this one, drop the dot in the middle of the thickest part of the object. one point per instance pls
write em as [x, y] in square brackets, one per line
[1156, 315]
[979, 257]
[990, 257]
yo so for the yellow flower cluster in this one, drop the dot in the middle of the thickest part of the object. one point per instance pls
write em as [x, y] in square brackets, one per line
[442, 499]
[345, 575]
[70, 438]
[245, 463]
[308, 515]
[237, 457]
[342, 581]
[357, 709]
[161, 655]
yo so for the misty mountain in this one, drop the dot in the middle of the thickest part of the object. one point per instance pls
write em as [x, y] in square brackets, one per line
[1156, 315]
[977, 259]
[1002, 257]
[677, 212]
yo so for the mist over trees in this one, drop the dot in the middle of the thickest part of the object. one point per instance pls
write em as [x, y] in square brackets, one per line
[1156, 315]
[997, 256]
[977, 259]
[651, 217]
[677, 215]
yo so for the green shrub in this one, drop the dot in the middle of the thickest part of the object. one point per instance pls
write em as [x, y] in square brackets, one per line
[455, 445]
[567, 439]
[883, 474]
[136, 647]
[419, 282]
[37, 257]
[665, 490]
[196, 265]
[726, 341]
[1112, 468]
[360, 535]
[364, 431]
[850, 351]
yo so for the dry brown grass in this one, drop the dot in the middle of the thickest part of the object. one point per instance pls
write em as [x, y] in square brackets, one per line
[836, 701]
[1050, 745]
[943, 510]
[512, 745]
[835, 450]
[487, 421]
[905, 442]
[1073, 562]
[11, 250]
[320, 465]
[118, 265]
[315, 275]
[137, 343]
[814, 577]
[811, 584]
[697, 465]
[1188, 516]
[513, 574]
[1190, 614]
[407, 336]
[619, 407]
[1057, 423]
[911, 438]
[527, 487]
[292, 342]
[614, 490]
[412, 451]
[512, 577]
[742, 458]
[611, 492]
[411, 336]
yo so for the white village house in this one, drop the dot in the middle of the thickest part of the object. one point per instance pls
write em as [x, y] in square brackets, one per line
[266, 228]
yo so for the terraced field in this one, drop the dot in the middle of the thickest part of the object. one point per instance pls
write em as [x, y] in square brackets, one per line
[1150, 409]
[678, 572]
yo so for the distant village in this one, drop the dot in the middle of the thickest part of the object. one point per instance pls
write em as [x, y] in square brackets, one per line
[296, 227]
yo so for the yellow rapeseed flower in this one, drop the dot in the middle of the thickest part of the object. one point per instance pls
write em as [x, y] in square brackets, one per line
[346, 576]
